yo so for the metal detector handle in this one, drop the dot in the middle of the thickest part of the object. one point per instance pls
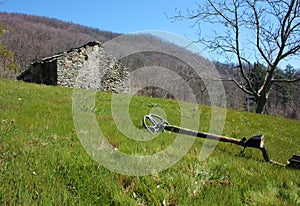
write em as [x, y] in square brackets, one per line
[155, 123]
[258, 143]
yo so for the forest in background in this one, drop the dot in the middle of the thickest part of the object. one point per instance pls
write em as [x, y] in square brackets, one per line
[26, 38]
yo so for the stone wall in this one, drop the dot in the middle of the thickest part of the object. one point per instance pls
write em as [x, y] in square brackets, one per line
[86, 67]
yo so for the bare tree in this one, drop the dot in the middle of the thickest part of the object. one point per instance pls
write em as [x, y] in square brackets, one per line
[267, 30]
[8, 67]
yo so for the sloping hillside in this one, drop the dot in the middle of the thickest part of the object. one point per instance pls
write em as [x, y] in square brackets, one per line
[43, 162]
[32, 37]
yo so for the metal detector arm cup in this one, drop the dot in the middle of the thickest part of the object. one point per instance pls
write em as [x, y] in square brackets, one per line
[265, 154]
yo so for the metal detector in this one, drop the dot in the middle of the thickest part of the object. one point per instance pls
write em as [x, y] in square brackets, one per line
[155, 123]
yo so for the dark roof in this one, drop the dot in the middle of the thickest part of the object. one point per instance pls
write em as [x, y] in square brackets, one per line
[50, 58]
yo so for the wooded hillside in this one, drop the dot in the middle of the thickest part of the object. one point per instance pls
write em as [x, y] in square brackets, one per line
[32, 38]
[27, 38]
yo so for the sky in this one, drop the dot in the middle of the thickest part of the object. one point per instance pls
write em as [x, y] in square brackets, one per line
[118, 16]
[110, 15]
[121, 16]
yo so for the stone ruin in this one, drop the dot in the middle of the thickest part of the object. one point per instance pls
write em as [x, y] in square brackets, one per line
[87, 67]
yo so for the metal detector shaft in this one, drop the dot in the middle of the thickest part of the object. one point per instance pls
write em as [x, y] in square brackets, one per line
[255, 142]
[205, 135]
[155, 123]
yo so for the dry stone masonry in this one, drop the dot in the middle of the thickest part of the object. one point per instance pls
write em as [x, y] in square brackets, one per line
[87, 67]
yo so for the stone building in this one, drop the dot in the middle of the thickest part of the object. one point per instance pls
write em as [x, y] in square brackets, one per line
[86, 67]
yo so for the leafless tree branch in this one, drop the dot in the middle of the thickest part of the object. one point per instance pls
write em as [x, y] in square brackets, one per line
[274, 24]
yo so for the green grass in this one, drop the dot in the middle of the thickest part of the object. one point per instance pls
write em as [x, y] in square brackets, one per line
[42, 161]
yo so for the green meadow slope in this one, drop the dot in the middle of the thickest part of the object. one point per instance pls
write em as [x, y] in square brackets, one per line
[42, 161]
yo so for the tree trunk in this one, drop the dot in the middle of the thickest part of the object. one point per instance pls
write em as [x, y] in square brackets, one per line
[260, 104]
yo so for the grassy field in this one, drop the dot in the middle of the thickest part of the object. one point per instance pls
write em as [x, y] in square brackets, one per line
[42, 161]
